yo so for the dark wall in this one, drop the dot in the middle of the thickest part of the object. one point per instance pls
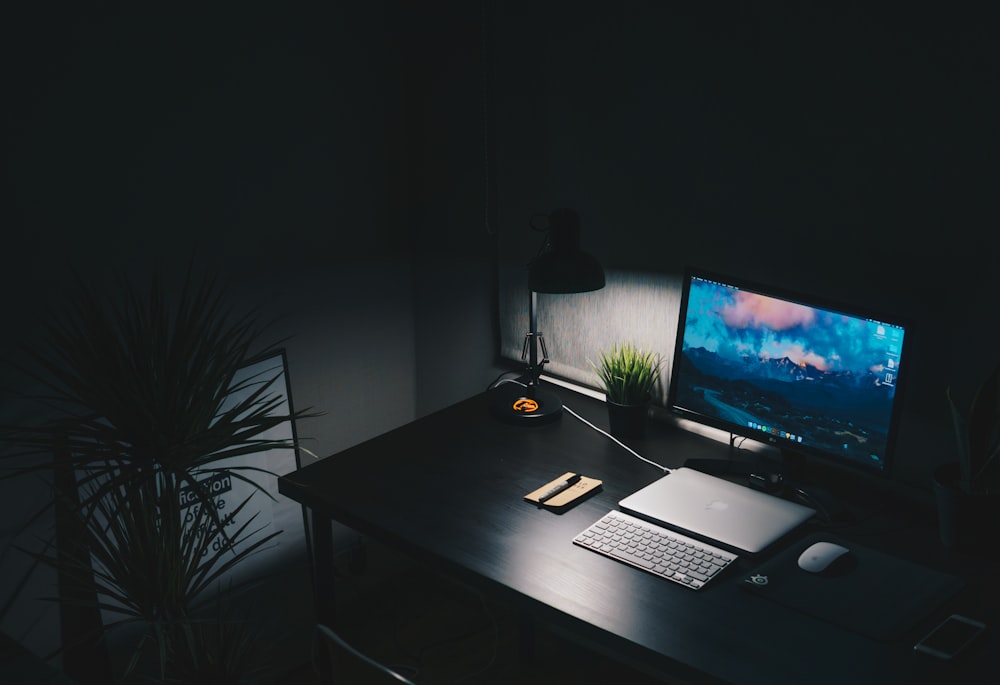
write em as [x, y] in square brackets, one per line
[321, 157]
[308, 152]
[266, 143]
[443, 52]
[242, 133]
[846, 151]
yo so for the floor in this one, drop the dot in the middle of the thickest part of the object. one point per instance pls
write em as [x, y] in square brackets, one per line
[437, 631]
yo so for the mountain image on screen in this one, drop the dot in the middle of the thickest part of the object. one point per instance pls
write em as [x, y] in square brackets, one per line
[791, 373]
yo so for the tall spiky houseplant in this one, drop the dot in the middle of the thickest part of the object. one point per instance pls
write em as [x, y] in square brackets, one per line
[144, 403]
[977, 432]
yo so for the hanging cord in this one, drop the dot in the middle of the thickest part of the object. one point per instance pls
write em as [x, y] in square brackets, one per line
[487, 63]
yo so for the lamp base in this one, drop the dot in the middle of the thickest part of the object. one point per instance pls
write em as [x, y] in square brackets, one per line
[523, 405]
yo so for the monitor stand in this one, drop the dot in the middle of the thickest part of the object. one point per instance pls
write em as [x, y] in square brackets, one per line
[741, 463]
[784, 477]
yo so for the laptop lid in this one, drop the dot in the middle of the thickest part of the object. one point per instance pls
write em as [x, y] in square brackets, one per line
[716, 510]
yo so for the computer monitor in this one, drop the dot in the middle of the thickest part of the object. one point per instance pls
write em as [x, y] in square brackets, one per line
[787, 369]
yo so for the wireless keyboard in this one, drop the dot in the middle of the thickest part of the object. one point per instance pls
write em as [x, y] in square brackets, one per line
[660, 551]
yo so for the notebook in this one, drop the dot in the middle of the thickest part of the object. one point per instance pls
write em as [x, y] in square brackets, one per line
[717, 510]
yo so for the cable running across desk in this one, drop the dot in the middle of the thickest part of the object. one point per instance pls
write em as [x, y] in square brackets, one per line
[665, 469]
[620, 443]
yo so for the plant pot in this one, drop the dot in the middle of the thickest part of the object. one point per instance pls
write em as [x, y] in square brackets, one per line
[628, 420]
[966, 521]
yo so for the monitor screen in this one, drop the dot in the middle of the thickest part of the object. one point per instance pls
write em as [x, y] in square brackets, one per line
[808, 377]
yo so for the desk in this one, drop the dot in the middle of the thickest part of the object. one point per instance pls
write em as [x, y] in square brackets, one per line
[447, 489]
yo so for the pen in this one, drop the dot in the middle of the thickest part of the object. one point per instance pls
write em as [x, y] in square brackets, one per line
[559, 487]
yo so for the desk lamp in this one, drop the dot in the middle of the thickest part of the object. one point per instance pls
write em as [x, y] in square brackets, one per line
[559, 267]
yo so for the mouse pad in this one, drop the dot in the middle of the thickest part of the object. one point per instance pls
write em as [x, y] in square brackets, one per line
[868, 592]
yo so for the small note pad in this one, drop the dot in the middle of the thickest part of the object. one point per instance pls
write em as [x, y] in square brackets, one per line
[571, 494]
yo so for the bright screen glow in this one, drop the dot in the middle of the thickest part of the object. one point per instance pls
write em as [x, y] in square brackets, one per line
[779, 369]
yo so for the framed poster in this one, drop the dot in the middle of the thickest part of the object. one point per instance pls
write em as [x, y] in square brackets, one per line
[270, 511]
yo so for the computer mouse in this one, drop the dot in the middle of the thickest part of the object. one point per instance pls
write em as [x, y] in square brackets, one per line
[822, 556]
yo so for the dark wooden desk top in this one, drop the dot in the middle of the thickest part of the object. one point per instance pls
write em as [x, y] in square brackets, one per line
[448, 490]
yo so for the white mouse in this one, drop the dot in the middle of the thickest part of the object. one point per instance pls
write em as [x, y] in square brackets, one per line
[819, 556]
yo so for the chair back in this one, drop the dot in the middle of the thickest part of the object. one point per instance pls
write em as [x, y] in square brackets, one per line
[349, 665]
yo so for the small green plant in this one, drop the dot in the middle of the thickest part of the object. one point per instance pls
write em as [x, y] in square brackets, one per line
[628, 373]
[978, 434]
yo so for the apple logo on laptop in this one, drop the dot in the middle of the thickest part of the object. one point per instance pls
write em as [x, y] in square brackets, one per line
[717, 505]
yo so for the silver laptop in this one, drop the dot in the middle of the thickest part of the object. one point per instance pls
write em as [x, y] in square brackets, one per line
[716, 510]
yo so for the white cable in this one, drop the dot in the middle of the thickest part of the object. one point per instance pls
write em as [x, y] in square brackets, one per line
[604, 432]
[497, 383]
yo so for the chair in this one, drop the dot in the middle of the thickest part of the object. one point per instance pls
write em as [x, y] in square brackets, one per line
[349, 665]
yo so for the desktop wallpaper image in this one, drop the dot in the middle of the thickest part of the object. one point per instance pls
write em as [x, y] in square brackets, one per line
[789, 373]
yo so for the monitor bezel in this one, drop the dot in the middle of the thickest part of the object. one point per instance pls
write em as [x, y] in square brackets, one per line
[791, 450]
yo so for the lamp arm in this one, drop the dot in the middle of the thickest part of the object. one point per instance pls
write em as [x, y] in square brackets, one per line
[533, 341]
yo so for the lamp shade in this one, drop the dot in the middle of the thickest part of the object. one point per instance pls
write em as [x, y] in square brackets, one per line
[564, 267]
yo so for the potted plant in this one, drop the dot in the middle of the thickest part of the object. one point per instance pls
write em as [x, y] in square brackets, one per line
[143, 404]
[967, 489]
[629, 375]
[977, 432]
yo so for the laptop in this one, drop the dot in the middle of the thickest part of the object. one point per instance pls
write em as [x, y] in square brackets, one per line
[716, 510]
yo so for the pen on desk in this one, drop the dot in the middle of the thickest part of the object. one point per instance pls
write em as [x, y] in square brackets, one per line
[559, 487]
